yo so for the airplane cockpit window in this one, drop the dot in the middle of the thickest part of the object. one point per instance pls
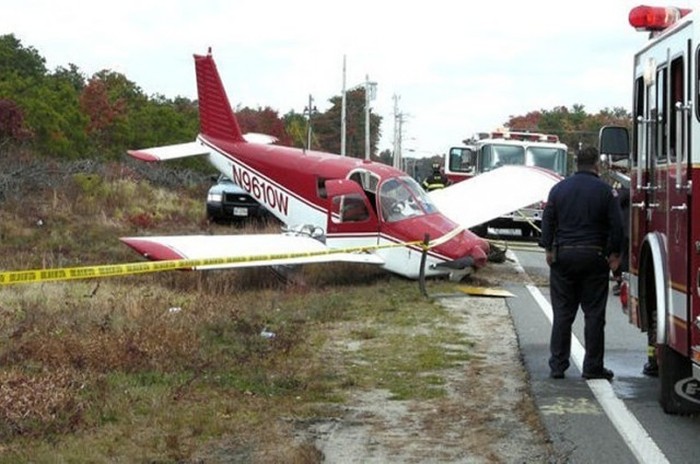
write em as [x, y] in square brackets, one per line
[401, 198]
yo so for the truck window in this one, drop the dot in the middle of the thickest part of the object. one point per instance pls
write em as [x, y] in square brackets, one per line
[462, 159]
[496, 156]
[553, 159]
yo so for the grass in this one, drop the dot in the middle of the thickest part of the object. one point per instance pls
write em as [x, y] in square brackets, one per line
[185, 366]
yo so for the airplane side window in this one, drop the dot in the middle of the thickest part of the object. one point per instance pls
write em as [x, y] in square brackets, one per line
[321, 187]
[357, 177]
[367, 180]
[349, 208]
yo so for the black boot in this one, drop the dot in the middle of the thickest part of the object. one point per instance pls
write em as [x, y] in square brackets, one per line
[651, 368]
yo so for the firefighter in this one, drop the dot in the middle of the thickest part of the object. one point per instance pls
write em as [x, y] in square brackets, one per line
[436, 180]
[582, 235]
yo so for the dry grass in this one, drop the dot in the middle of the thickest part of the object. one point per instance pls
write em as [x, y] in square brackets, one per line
[181, 366]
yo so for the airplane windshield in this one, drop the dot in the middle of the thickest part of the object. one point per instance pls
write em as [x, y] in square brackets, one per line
[401, 198]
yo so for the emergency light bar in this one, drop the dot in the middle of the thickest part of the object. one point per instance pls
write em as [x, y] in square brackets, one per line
[523, 136]
[655, 18]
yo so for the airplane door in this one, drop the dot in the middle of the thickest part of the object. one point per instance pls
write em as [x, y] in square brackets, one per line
[350, 212]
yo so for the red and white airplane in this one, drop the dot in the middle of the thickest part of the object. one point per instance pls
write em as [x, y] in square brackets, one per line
[332, 205]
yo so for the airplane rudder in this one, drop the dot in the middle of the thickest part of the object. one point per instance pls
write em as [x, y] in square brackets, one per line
[216, 117]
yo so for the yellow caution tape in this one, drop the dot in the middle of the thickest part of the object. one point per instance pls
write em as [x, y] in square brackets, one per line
[445, 238]
[114, 270]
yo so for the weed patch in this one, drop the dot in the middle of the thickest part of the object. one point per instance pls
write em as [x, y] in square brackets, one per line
[189, 366]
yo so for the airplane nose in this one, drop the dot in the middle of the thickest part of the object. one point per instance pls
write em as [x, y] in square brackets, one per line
[480, 255]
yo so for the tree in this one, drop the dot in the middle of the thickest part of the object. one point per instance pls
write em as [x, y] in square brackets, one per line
[54, 114]
[102, 112]
[12, 128]
[327, 125]
[529, 122]
[161, 121]
[264, 121]
[49, 104]
[72, 75]
[16, 59]
[113, 105]
[296, 125]
[573, 126]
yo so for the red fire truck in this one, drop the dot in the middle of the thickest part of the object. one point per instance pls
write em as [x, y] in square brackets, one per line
[662, 296]
[487, 151]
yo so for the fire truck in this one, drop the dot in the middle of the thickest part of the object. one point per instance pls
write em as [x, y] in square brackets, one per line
[490, 150]
[662, 160]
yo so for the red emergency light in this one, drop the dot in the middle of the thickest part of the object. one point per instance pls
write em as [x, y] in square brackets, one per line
[655, 18]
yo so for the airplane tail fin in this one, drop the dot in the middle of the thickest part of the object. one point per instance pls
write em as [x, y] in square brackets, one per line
[216, 118]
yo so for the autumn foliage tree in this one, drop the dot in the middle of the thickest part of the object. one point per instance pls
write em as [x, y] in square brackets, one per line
[573, 125]
[101, 112]
[12, 128]
[62, 114]
[264, 121]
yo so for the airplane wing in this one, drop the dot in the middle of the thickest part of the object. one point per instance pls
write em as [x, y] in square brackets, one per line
[245, 250]
[170, 152]
[494, 193]
[183, 150]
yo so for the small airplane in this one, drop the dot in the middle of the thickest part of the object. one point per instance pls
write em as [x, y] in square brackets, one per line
[336, 208]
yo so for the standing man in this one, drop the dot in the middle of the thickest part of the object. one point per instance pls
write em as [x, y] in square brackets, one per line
[582, 238]
[436, 180]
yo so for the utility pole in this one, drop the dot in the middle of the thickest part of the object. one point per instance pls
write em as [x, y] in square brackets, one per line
[343, 118]
[398, 120]
[309, 110]
[370, 93]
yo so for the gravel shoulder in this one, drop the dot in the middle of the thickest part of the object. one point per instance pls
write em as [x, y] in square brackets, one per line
[488, 415]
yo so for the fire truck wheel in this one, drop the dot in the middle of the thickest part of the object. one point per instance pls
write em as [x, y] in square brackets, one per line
[678, 388]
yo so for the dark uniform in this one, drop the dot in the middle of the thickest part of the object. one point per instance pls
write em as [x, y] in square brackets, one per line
[436, 180]
[581, 228]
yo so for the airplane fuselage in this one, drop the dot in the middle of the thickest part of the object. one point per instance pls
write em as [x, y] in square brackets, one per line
[291, 184]
[347, 202]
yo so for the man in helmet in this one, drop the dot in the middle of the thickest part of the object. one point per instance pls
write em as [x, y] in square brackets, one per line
[436, 180]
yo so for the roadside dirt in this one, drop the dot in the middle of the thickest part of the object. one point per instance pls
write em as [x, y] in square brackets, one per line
[488, 415]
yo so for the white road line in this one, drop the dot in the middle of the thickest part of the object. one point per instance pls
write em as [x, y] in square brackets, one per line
[636, 438]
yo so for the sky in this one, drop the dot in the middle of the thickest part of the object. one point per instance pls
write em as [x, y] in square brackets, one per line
[451, 68]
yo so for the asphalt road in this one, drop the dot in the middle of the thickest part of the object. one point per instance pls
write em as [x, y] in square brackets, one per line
[598, 421]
